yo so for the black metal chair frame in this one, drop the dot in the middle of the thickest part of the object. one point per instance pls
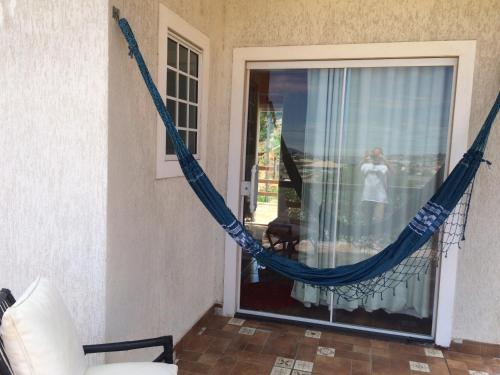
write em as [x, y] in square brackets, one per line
[167, 356]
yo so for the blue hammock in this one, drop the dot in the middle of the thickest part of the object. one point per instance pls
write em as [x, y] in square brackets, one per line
[414, 236]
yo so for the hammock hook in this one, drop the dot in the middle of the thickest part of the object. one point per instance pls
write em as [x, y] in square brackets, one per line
[116, 14]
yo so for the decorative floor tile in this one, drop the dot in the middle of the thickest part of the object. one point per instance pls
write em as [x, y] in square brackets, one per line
[313, 334]
[303, 366]
[325, 352]
[236, 321]
[221, 347]
[284, 362]
[419, 366]
[280, 371]
[429, 352]
[246, 331]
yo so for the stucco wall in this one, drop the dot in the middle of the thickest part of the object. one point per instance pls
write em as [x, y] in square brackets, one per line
[299, 22]
[172, 273]
[162, 271]
[53, 147]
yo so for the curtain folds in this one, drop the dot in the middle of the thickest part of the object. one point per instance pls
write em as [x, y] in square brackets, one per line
[375, 151]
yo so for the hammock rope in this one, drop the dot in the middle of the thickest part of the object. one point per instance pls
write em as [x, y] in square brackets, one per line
[434, 229]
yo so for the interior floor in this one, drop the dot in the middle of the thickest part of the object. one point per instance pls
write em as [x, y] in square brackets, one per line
[265, 291]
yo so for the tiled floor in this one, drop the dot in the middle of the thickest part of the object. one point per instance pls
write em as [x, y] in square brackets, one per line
[218, 345]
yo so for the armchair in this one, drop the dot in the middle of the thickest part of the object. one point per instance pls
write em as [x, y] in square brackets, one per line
[37, 333]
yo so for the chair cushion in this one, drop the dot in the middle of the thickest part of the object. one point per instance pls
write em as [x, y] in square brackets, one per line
[39, 335]
[134, 368]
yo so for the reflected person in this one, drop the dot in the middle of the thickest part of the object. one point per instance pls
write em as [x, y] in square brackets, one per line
[374, 198]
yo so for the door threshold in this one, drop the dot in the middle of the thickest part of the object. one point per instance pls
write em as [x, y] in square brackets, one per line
[337, 327]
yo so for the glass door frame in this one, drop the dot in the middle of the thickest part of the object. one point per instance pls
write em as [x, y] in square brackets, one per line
[459, 54]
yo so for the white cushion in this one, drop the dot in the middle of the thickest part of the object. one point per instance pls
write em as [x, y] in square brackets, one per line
[39, 335]
[135, 368]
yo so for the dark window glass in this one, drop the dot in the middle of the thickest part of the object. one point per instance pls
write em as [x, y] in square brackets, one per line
[183, 81]
[193, 90]
[192, 146]
[169, 147]
[183, 58]
[171, 83]
[193, 64]
[171, 108]
[182, 118]
[183, 134]
[193, 117]
[172, 53]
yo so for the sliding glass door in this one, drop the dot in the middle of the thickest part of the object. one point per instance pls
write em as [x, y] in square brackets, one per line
[340, 156]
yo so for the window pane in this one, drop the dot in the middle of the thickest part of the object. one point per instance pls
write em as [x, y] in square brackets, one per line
[183, 58]
[171, 83]
[171, 108]
[169, 147]
[192, 142]
[193, 64]
[193, 90]
[193, 117]
[182, 121]
[183, 86]
[183, 134]
[172, 53]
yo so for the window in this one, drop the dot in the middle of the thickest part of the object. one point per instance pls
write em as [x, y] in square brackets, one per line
[183, 84]
[182, 91]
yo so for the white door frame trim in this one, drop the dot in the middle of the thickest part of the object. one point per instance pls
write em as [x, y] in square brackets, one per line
[463, 51]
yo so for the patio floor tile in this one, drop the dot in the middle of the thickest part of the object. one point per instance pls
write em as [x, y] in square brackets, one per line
[252, 347]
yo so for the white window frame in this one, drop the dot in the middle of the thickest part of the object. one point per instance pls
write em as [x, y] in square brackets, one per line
[462, 51]
[171, 23]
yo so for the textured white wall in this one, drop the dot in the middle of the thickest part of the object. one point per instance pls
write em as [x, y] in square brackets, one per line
[162, 271]
[172, 272]
[53, 147]
[299, 22]
[161, 274]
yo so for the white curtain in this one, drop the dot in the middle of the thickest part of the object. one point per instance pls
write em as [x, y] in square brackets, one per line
[319, 175]
[392, 155]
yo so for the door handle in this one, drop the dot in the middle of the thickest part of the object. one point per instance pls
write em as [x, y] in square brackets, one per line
[254, 187]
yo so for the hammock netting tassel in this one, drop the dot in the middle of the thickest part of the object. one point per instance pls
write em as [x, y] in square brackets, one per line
[437, 227]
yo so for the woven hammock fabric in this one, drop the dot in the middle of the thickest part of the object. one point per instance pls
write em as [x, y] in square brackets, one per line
[416, 235]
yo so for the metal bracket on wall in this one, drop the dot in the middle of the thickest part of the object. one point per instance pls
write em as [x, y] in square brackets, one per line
[116, 14]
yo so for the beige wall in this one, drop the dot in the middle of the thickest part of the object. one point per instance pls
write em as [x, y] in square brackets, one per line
[64, 186]
[299, 22]
[53, 147]
[162, 275]
[162, 270]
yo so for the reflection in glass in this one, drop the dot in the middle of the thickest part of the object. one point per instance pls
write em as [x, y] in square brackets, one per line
[346, 158]
[183, 89]
[193, 90]
[172, 53]
[183, 58]
[181, 119]
[193, 64]
[193, 117]
[183, 134]
[171, 108]
[192, 142]
[171, 83]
